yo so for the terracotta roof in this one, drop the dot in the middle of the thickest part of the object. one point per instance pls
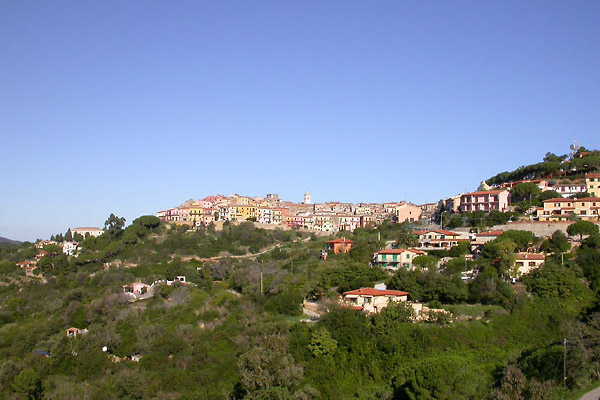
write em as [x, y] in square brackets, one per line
[588, 199]
[530, 256]
[442, 231]
[342, 240]
[400, 251]
[86, 228]
[559, 199]
[446, 240]
[375, 292]
[490, 233]
[484, 192]
[592, 175]
[26, 262]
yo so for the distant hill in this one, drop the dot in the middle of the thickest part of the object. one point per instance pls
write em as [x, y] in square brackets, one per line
[4, 242]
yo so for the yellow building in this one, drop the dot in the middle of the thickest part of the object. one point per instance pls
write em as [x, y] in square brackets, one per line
[561, 209]
[592, 183]
[245, 212]
[195, 214]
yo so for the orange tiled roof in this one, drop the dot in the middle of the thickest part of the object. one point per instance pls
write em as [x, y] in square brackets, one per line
[375, 292]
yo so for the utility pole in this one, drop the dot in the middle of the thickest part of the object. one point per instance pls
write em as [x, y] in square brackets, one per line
[261, 284]
[565, 362]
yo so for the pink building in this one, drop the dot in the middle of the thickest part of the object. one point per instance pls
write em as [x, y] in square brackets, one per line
[408, 213]
[498, 200]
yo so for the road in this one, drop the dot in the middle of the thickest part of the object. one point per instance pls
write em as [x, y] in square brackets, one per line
[593, 395]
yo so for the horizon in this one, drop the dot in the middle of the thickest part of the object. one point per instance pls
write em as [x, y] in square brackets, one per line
[133, 108]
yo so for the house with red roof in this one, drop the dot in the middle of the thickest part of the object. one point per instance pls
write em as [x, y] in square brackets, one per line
[342, 245]
[490, 200]
[526, 262]
[392, 259]
[372, 300]
[26, 263]
[73, 332]
[482, 238]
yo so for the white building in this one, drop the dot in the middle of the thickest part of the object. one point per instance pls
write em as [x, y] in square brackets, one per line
[69, 248]
[87, 231]
[307, 198]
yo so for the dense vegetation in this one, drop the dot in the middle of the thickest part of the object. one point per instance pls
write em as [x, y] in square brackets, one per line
[553, 166]
[237, 332]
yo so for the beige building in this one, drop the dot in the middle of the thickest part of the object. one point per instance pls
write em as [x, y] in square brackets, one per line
[392, 259]
[592, 183]
[561, 209]
[87, 231]
[525, 262]
[373, 300]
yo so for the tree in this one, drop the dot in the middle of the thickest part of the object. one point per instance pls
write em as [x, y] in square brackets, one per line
[389, 318]
[148, 221]
[522, 239]
[68, 235]
[321, 343]
[425, 262]
[114, 226]
[406, 281]
[551, 157]
[557, 243]
[488, 288]
[525, 191]
[549, 194]
[405, 236]
[553, 280]
[28, 383]
[582, 228]
[443, 377]
[267, 366]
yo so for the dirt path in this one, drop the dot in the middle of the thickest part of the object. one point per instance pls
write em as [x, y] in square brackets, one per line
[249, 255]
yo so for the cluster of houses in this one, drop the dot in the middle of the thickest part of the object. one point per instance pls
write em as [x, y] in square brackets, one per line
[29, 266]
[336, 216]
[69, 248]
[560, 208]
[392, 259]
[373, 300]
[323, 217]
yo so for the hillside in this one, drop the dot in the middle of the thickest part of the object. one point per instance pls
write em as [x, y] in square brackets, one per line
[567, 167]
[235, 329]
[4, 242]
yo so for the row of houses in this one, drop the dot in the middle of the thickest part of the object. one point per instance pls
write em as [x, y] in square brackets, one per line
[556, 209]
[324, 217]
[394, 259]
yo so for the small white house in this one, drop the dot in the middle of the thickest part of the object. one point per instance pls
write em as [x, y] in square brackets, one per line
[69, 248]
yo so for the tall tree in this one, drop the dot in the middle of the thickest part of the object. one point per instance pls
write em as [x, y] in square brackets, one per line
[114, 225]
[582, 228]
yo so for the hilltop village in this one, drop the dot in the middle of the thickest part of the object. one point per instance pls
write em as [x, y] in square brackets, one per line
[336, 216]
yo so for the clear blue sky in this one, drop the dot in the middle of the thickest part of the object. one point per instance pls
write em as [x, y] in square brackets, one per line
[129, 107]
